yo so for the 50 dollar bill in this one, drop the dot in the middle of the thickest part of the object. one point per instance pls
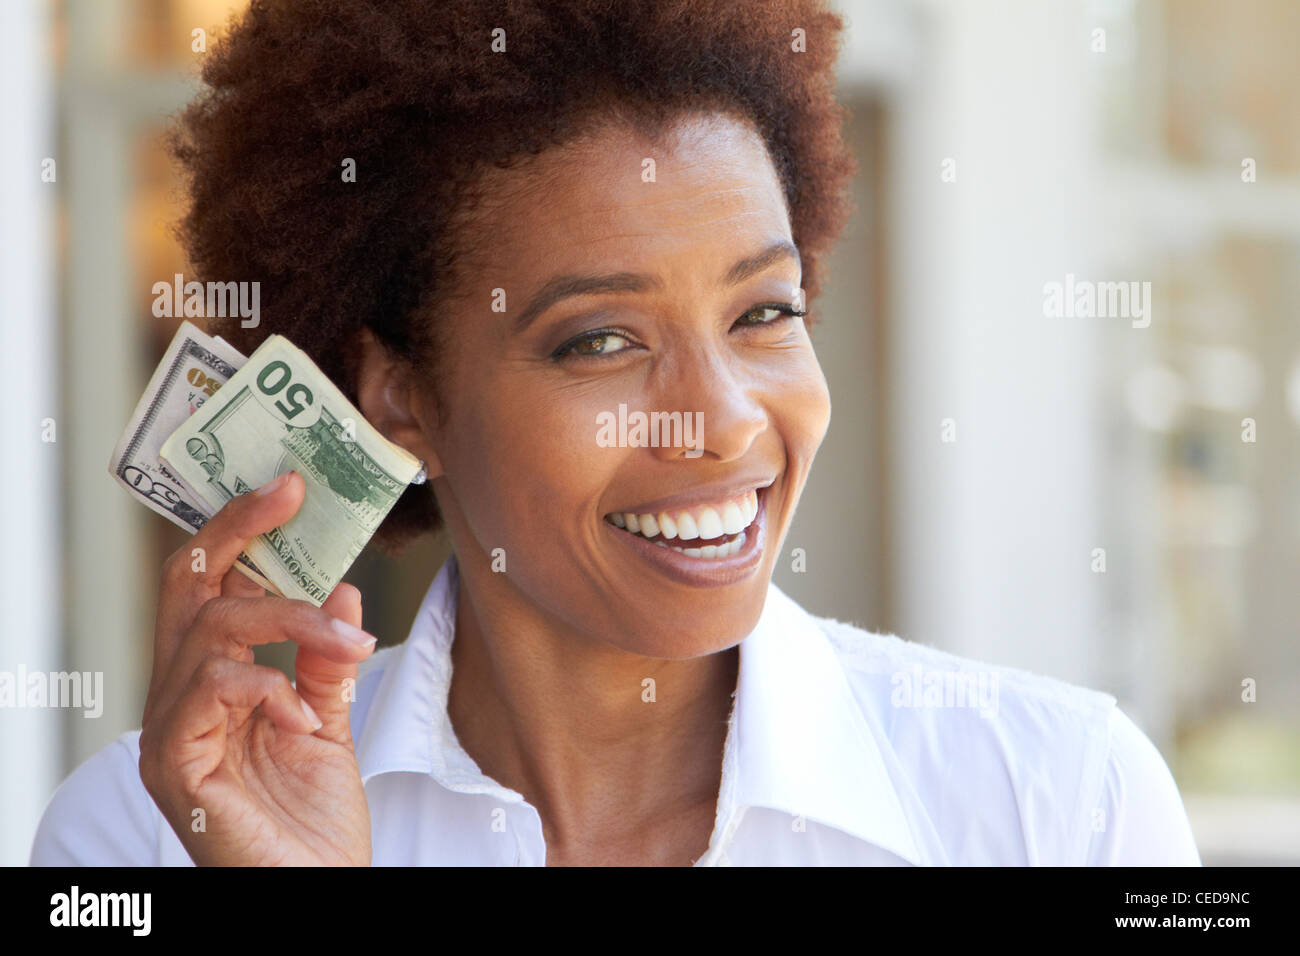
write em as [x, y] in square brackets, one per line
[279, 412]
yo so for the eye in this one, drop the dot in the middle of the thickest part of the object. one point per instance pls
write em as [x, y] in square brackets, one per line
[594, 344]
[769, 313]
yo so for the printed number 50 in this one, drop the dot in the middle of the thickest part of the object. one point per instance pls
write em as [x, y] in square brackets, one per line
[298, 396]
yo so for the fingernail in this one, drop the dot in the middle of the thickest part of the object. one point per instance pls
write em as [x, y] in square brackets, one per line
[353, 635]
[274, 485]
[311, 715]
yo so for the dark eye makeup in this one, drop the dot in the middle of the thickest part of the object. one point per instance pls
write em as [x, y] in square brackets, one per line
[592, 344]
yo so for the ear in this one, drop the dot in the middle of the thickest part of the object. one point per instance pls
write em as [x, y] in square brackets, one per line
[389, 400]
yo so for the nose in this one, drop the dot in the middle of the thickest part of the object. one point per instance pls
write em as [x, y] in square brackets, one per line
[723, 404]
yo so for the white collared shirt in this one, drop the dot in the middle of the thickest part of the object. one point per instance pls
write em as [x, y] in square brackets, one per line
[844, 748]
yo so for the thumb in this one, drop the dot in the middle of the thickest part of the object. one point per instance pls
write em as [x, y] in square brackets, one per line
[327, 686]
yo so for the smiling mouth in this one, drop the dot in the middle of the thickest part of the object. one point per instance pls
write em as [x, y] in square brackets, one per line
[707, 532]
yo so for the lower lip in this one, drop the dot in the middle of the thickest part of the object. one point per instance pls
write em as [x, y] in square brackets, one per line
[704, 572]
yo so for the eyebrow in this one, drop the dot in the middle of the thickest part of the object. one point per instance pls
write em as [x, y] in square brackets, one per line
[742, 270]
[563, 287]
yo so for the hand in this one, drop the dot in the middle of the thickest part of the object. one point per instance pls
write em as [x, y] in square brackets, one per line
[271, 768]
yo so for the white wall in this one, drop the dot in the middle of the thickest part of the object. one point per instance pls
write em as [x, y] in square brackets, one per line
[994, 530]
[30, 739]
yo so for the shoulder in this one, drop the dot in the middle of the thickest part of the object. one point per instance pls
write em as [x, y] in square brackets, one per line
[1011, 767]
[1138, 818]
[922, 680]
[101, 815]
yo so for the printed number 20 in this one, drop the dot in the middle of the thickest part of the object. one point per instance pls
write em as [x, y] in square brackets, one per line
[298, 396]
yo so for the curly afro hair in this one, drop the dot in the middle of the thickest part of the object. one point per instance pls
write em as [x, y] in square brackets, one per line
[414, 92]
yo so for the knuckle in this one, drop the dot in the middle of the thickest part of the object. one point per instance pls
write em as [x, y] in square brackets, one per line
[278, 682]
[236, 514]
[304, 620]
[176, 569]
[210, 670]
[184, 567]
[213, 616]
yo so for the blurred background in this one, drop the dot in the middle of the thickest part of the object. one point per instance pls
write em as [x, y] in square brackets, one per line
[980, 454]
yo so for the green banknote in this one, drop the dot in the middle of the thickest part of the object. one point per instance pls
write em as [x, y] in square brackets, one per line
[280, 413]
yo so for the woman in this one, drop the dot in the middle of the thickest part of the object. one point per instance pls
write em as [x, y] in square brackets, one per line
[495, 226]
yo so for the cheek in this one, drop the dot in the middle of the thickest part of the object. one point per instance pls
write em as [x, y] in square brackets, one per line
[818, 411]
[801, 407]
[525, 468]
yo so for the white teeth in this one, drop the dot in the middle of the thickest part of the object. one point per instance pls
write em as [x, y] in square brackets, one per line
[715, 551]
[709, 524]
[733, 521]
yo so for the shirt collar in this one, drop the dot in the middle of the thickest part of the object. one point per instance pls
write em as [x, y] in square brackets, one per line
[797, 741]
[407, 727]
[802, 743]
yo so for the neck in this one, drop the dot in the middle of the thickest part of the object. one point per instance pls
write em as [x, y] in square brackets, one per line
[568, 721]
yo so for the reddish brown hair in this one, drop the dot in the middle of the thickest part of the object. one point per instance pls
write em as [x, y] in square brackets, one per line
[413, 92]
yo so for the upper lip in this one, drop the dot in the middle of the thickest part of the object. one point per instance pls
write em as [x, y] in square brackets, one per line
[702, 495]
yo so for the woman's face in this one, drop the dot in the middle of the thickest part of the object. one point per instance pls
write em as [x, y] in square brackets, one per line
[604, 288]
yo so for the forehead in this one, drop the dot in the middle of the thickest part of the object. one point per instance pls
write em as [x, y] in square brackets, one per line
[702, 194]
